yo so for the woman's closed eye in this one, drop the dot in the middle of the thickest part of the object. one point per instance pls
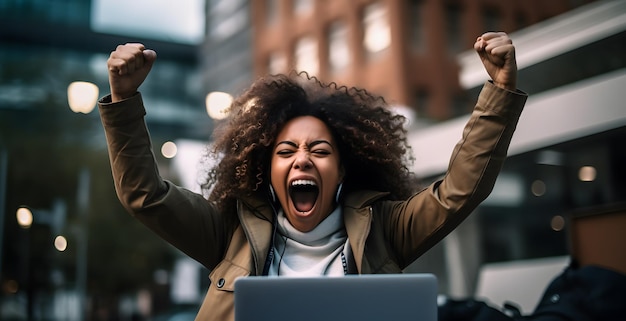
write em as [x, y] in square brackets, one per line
[321, 152]
[285, 152]
[316, 152]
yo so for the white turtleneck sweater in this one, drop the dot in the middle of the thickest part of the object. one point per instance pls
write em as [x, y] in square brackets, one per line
[314, 253]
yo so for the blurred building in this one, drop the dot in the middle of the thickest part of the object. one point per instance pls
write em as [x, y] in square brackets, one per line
[415, 54]
[561, 192]
[61, 37]
[403, 50]
[44, 46]
[566, 156]
[227, 55]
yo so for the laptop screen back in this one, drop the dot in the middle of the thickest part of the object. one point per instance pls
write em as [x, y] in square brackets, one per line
[373, 297]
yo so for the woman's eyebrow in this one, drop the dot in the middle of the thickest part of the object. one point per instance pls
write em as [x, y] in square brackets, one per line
[310, 145]
[287, 143]
[321, 141]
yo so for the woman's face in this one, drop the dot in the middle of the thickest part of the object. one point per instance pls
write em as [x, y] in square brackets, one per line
[305, 171]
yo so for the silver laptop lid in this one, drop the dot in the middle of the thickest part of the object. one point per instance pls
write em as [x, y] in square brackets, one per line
[373, 297]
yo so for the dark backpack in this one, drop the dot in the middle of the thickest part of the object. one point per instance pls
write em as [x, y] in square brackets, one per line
[589, 293]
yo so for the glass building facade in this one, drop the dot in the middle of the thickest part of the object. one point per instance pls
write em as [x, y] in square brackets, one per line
[51, 159]
[55, 163]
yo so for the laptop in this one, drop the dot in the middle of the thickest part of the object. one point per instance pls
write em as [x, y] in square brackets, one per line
[375, 297]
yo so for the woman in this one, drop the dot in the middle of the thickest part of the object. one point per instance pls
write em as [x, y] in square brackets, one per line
[312, 179]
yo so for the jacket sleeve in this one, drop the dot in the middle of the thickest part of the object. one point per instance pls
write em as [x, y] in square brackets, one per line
[417, 224]
[183, 218]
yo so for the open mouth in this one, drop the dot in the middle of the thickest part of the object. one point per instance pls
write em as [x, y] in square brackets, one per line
[303, 194]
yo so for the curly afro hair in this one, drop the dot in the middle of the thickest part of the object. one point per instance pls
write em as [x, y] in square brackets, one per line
[371, 139]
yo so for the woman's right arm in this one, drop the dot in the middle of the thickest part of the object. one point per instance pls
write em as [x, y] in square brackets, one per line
[183, 218]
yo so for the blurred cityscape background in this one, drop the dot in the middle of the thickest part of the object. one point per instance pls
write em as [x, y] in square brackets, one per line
[68, 250]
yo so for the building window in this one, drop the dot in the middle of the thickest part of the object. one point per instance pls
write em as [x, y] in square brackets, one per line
[277, 63]
[453, 28]
[460, 105]
[377, 34]
[271, 11]
[491, 19]
[226, 25]
[422, 103]
[417, 31]
[338, 48]
[301, 7]
[521, 20]
[306, 56]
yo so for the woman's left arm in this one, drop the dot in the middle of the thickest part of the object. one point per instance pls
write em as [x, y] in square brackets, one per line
[417, 224]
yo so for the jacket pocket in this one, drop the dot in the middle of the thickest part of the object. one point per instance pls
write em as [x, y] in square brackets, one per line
[224, 275]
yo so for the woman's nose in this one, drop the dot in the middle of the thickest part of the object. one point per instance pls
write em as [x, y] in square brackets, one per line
[303, 161]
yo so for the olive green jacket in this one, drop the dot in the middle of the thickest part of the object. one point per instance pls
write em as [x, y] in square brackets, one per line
[385, 236]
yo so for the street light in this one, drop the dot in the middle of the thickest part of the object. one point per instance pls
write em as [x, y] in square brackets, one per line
[27, 217]
[53, 218]
[217, 104]
[60, 243]
[82, 96]
[169, 149]
[24, 217]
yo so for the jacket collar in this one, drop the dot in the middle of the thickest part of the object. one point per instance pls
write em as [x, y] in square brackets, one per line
[362, 198]
[256, 216]
[357, 216]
